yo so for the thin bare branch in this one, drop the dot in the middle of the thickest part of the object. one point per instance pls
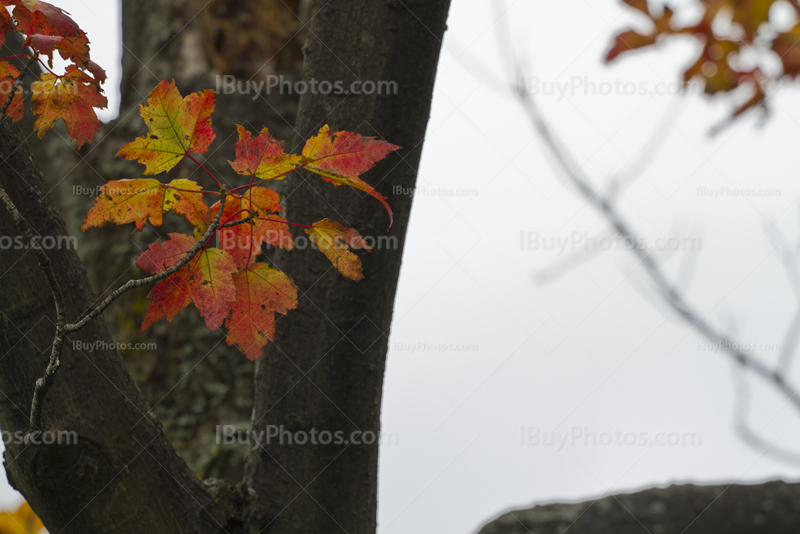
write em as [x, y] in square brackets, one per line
[667, 291]
[42, 384]
[131, 284]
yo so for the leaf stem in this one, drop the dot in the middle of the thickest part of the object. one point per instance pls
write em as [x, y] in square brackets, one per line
[204, 170]
[16, 56]
[202, 192]
[285, 222]
[48, 68]
[281, 175]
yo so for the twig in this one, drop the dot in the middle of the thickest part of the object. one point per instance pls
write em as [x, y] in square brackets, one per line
[131, 284]
[42, 384]
[666, 290]
[16, 85]
[741, 411]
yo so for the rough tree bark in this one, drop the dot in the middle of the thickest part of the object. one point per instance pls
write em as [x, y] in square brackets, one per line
[689, 509]
[325, 369]
[122, 472]
[124, 475]
[192, 381]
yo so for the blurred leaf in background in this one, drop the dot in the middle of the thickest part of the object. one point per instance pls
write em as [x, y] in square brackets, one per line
[23, 521]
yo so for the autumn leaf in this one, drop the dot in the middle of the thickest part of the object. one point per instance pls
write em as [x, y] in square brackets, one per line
[342, 157]
[262, 156]
[206, 281]
[126, 201]
[145, 200]
[260, 199]
[168, 298]
[629, 40]
[274, 230]
[787, 46]
[190, 205]
[713, 68]
[6, 26]
[750, 15]
[335, 241]
[261, 292]
[97, 71]
[71, 97]
[633, 40]
[23, 521]
[162, 255]
[34, 16]
[8, 74]
[178, 126]
[244, 241]
[74, 49]
[641, 5]
[719, 66]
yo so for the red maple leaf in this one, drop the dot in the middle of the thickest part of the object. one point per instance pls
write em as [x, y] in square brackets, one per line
[261, 292]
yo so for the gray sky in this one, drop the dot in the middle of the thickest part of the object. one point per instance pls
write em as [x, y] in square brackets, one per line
[501, 392]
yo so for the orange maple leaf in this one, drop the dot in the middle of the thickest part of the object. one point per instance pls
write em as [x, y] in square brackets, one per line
[162, 255]
[244, 241]
[8, 74]
[335, 241]
[342, 157]
[206, 281]
[71, 97]
[23, 521]
[178, 126]
[261, 292]
[262, 156]
[74, 49]
[35, 16]
[145, 200]
[6, 26]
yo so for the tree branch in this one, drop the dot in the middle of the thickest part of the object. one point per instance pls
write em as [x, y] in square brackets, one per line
[667, 291]
[43, 384]
[131, 284]
[17, 83]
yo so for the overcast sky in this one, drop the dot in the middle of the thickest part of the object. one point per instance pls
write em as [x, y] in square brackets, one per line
[502, 391]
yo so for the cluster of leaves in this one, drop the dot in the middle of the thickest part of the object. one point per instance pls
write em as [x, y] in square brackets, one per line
[71, 96]
[227, 284]
[730, 31]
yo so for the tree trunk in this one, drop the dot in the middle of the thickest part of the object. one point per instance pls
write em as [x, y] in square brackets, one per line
[108, 482]
[122, 471]
[732, 509]
[325, 370]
